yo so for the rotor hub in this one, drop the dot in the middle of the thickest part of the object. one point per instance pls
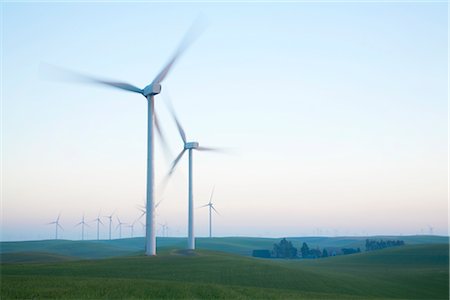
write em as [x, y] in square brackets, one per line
[191, 145]
[152, 89]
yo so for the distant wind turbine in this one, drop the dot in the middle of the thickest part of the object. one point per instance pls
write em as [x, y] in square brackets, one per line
[98, 225]
[110, 223]
[149, 92]
[82, 223]
[119, 225]
[211, 208]
[165, 229]
[56, 222]
[189, 146]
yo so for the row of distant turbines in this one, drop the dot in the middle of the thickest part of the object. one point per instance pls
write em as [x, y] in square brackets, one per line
[149, 92]
[120, 224]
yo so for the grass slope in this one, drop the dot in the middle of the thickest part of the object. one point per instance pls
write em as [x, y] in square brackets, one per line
[235, 245]
[411, 272]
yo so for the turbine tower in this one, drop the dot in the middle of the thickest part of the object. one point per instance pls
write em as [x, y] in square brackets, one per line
[149, 92]
[211, 208]
[98, 225]
[56, 222]
[110, 223]
[188, 146]
[82, 223]
[119, 225]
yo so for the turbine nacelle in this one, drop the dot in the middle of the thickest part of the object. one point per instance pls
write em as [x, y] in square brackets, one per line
[191, 145]
[152, 89]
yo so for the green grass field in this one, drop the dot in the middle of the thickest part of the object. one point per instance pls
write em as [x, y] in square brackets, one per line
[407, 272]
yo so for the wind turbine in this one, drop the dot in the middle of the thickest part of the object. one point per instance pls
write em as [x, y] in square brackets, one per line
[110, 223]
[119, 225]
[149, 92]
[211, 208]
[189, 146]
[131, 226]
[56, 222]
[165, 229]
[98, 225]
[82, 223]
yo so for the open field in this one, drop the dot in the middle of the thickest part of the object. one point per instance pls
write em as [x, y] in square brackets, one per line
[407, 272]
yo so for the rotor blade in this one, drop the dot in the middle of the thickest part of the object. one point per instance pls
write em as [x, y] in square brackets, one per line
[192, 33]
[212, 193]
[60, 227]
[203, 206]
[57, 219]
[58, 73]
[215, 210]
[100, 221]
[78, 224]
[201, 148]
[175, 162]
[163, 140]
[174, 116]
[51, 223]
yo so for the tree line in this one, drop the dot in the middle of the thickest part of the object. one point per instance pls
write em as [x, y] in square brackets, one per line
[285, 249]
[376, 245]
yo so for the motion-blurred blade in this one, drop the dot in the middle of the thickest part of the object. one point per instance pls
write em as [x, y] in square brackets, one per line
[175, 162]
[215, 210]
[210, 149]
[193, 32]
[212, 193]
[163, 140]
[174, 116]
[58, 73]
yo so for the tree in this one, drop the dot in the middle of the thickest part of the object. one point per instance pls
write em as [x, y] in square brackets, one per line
[284, 249]
[324, 253]
[305, 250]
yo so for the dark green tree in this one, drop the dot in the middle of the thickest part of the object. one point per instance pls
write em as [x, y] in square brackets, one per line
[305, 250]
[324, 253]
[284, 249]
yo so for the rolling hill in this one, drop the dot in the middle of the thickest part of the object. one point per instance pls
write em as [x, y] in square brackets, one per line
[407, 272]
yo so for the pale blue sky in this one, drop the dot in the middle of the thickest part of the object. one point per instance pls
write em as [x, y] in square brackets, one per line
[337, 114]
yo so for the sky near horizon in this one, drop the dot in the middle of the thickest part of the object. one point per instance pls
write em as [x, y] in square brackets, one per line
[336, 114]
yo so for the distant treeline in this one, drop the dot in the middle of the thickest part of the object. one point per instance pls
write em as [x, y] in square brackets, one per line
[376, 245]
[285, 249]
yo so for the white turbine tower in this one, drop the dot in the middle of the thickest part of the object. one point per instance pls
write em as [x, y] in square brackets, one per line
[110, 223]
[149, 92]
[82, 223]
[98, 225]
[56, 222]
[189, 146]
[211, 208]
[119, 225]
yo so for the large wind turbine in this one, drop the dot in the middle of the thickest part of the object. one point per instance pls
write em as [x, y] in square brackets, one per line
[82, 223]
[189, 146]
[56, 222]
[149, 92]
[211, 208]
[98, 225]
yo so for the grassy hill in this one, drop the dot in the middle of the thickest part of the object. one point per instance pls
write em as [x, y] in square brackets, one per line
[411, 272]
[237, 245]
